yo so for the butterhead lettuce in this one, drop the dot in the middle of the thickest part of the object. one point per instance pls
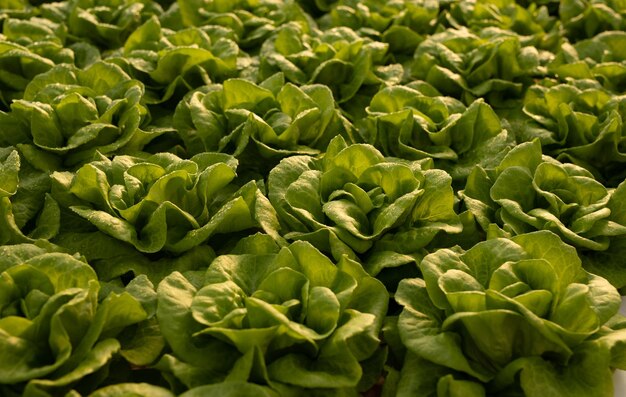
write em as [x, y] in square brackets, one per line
[514, 316]
[333, 198]
[27, 211]
[338, 58]
[56, 332]
[466, 66]
[354, 201]
[172, 63]
[581, 125]
[271, 120]
[71, 113]
[163, 202]
[405, 123]
[287, 319]
[528, 191]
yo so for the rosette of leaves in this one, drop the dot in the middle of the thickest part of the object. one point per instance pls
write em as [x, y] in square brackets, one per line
[108, 23]
[402, 24]
[338, 57]
[534, 24]
[41, 36]
[69, 113]
[514, 316]
[585, 19]
[251, 21]
[162, 202]
[356, 202]
[461, 64]
[601, 57]
[579, 123]
[286, 322]
[58, 329]
[27, 211]
[402, 122]
[172, 63]
[528, 192]
[19, 66]
[257, 123]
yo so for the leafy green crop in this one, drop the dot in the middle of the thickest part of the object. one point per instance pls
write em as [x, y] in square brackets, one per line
[19, 66]
[583, 19]
[55, 329]
[527, 192]
[405, 123]
[173, 63]
[285, 198]
[69, 113]
[466, 66]
[401, 24]
[601, 58]
[163, 202]
[534, 25]
[107, 23]
[27, 211]
[354, 201]
[274, 118]
[289, 319]
[583, 126]
[507, 316]
[251, 21]
[338, 58]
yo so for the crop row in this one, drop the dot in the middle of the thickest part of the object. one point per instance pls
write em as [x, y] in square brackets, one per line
[312, 198]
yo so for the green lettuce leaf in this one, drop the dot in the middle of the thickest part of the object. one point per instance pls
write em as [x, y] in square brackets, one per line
[529, 192]
[534, 25]
[251, 22]
[600, 58]
[582, 125]
[41, 36]
[585, 19]
[108, 23]
[172, 63]
[339, 58]
[18, 66]
[132, 390]
[401, 24]
[27, 211]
